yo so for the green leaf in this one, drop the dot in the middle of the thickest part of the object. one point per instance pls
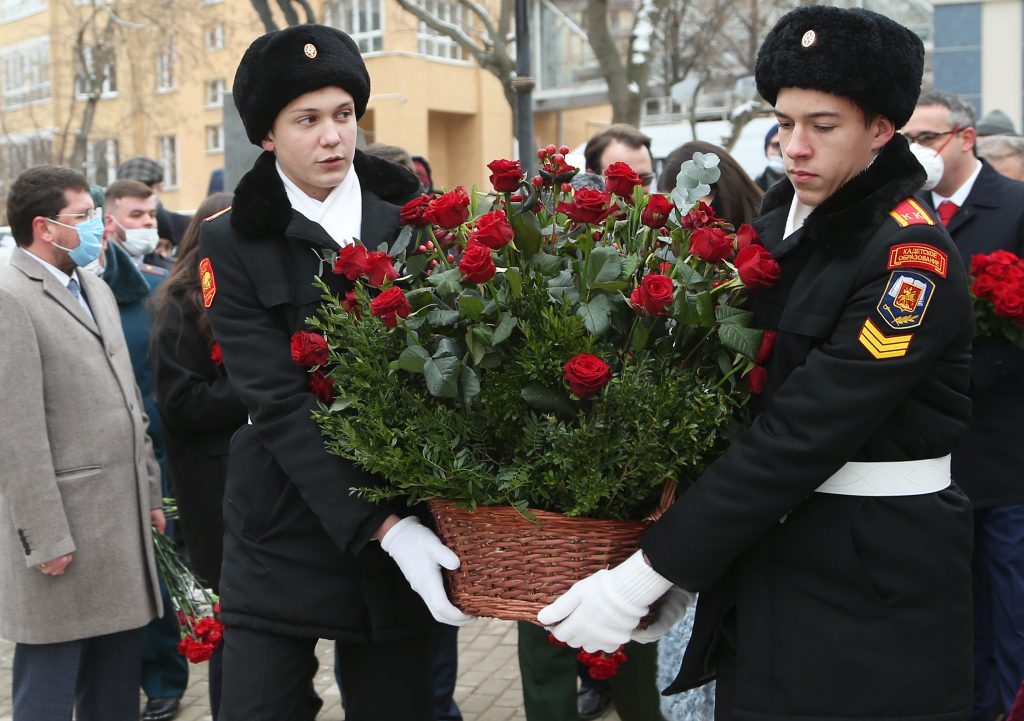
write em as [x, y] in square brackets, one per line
[447, 347]
[746, 341]
[527, 228]
[546, 400]
[476, 345]
[471, 305]
[613, 286]
[442, 376]
[629, 265]
[705, 309]
[547, 264]
[340, 403]
[469, 383]
[419, 297]
[504, 329]
[603, 266]
[416, 264]
[640, 335]
[727, 315]
[401, 242]
[688, 276]
[596, 315]
[439, 318]
[514, 281]
[412, 359]
[447, 282]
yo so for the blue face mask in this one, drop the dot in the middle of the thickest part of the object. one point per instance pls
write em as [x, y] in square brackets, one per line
[90, 241]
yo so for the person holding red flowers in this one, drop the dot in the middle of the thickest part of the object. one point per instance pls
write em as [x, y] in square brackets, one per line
[304, 558]
[830, 549]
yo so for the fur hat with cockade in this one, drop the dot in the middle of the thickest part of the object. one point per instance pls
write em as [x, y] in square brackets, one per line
[857, 54]
[282, 65]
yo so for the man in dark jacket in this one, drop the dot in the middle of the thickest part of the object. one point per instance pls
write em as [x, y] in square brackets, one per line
[829, 547]
[984, 212]
[303, 558]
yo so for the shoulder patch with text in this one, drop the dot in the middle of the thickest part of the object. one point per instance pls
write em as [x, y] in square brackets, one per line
[882, 346]
[905, 299]
[209, 283]
[918, 255]
[216, 215]
[910, 212]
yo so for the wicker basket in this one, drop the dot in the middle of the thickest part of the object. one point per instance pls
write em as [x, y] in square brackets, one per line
[512, 568]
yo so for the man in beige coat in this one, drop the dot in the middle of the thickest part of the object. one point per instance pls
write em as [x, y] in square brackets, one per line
[79, 486]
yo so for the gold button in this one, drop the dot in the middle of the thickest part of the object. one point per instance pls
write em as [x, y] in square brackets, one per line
[310, 50]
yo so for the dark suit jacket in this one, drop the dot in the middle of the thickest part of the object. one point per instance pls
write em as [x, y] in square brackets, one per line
[989, 464]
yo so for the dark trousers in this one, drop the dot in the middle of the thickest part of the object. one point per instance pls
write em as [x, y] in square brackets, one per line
[549, 679]
[164, 670]
[97, 678]
[267, 678]
[998, 568]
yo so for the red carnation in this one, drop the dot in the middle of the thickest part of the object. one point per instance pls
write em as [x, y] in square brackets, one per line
[309, 349]
[586, 375]
[653, 294]
[476, 263]
[415, 211]
[620, 179]
[349, 303]
[379, 268]
[711, 244]
[698, 217]
[216, 355]
[351, 261]
[449, 210]
[506, 175]
[389, 306]
[493, 230]
[321, 386]
[757, 268]
[656, 211]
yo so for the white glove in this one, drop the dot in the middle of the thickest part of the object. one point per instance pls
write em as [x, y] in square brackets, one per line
[601, 611]
[671, 609]
[419, 555]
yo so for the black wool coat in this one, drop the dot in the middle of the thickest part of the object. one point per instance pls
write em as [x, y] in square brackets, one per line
[989, 465]
[200, 411]
[297, 560]
[825, 606]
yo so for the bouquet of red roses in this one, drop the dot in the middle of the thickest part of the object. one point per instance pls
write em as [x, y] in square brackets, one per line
[998, 291]
[541, 347]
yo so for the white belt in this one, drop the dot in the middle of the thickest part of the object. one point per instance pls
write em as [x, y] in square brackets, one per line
[893, 478]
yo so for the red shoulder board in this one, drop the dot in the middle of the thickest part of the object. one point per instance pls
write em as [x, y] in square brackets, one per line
[209, 283]
[909, 212]
[918, 255]
[216, 215]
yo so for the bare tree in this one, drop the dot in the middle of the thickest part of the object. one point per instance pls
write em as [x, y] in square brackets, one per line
[288, 12]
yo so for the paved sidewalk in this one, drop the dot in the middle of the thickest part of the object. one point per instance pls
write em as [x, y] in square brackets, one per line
[487, 688]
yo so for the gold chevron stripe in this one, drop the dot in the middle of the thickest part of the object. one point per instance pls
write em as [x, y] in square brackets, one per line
[881, 346]
[872, 330]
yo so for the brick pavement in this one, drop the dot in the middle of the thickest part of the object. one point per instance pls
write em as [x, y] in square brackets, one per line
[487, 688]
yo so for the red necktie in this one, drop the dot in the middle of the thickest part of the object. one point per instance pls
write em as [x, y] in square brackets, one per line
[947, 209]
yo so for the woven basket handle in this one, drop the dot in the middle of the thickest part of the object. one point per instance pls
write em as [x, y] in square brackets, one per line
[668, 497]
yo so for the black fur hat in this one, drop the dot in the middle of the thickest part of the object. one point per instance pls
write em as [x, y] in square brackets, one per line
[857, 54]
[282, 65]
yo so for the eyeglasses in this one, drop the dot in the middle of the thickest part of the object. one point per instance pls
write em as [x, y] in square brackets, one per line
[647, 178]
[929, 137]
[81, 217]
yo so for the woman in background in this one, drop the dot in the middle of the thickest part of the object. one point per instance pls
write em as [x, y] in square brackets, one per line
[198, 408]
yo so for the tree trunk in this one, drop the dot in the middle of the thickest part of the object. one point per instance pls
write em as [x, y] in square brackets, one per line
[262, 8]
[625, 102]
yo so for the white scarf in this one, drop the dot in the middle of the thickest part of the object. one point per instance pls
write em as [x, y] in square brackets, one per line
[340, 213]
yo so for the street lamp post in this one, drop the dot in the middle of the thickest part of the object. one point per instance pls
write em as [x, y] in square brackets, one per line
[524, 84]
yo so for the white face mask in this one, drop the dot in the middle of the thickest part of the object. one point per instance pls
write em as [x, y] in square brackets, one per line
[932, 163]
[139, 241]
[95, 267]
[777, 163]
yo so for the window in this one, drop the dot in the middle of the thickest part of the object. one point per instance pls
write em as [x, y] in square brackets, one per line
[215, 93]
[165, 60]
[213, 38]
[16, 9]
[214, 138]
[362, 19]
[21, 151]
[101, 162]
[433, 43]
[86, 81]
[26, 73]
[169, 160]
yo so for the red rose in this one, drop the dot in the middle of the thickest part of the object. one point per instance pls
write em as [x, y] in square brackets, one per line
[757, 268]
[586, 375]
[621, 179]
[350, 304]
[449, 210]
[351, 261]
[321, 386]
[476, 263]
[698, 217]
[588, 206]
[215, 354]
[379, 268]
[710, 244]
[505, 175]
[389, 306]
[983, 286]
[653, 294]
[745, 236]
[493, 230]
[656, 211]
[767, 343]
[757, 379]
[414, 212]
[309, 349]
[1009, 304]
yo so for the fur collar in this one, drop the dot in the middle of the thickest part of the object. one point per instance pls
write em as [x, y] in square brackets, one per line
[123, 276]
[850, 216]
[261, 208]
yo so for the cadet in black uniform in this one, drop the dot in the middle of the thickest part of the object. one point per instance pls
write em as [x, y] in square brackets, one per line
[829, 547]
[301, 557]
